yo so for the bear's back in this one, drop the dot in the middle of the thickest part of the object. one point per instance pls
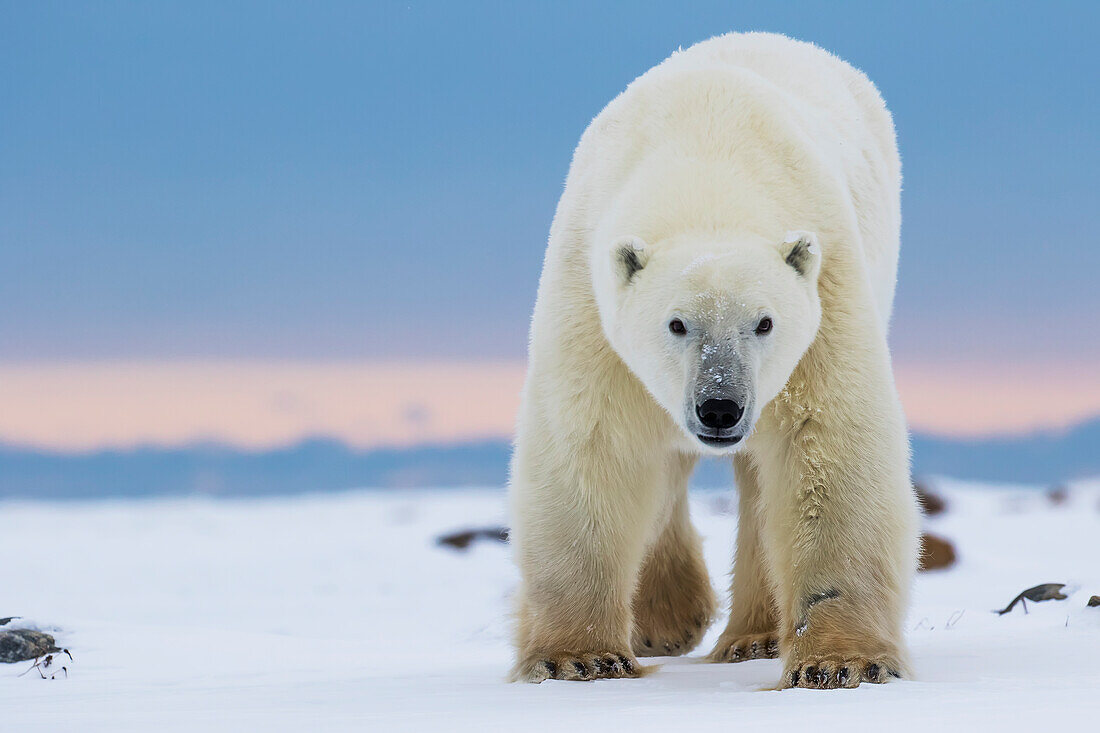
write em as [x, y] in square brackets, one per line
[779, 86]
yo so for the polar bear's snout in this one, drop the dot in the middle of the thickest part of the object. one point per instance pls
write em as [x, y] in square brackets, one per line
[719, 417]
[719, 414]
[718, 409]
[717, 422]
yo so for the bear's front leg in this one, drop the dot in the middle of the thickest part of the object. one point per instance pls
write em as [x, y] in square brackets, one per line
[752, 631]
[840, 529]
[582, 524]
[674, 601]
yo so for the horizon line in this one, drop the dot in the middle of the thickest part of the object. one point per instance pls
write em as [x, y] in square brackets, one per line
[264, 403]
[457, 444]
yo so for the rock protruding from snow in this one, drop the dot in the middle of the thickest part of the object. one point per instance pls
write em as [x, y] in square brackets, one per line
[930, 502]
[462, 539]
[936, 553]
[19, 645]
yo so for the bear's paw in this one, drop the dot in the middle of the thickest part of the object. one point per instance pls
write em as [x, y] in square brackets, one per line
[828, 674]
[745, 647]
[578, 666]
[670, 637]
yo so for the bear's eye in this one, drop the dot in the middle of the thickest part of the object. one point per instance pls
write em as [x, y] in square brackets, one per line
[764, 326]
[677, 327]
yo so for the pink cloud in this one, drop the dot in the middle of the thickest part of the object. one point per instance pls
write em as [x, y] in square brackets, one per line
[251, 404]
[980, 398]
[256, 404]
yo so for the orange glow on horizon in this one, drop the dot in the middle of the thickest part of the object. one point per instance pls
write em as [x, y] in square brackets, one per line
[981, 399]
[255, 405]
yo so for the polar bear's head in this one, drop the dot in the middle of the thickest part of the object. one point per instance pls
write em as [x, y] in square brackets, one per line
[713, 329]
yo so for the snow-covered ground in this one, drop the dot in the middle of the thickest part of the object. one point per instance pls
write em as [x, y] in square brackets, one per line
[340, 612]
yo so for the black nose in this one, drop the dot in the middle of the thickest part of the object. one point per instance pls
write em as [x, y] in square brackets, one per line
[718, 414]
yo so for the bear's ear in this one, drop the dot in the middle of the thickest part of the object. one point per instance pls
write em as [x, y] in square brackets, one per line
[629, 256]
[801, 251]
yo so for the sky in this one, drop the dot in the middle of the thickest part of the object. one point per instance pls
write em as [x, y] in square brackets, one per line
[192, 186]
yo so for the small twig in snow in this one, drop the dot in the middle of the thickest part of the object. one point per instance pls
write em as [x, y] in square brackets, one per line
[43, 663]
[955, 618]
[1044, 592]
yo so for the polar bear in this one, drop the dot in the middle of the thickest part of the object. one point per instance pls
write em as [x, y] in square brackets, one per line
[718, 281]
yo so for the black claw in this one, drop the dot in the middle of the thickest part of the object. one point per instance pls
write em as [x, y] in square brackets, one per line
[627, 665]
[647, 642]
[843, 675]
[811, 674]
[872, 672]
[598, 664]
[551, 667]
[753, 650]
[668, 648]
[794, 678]
[894, 673]
[581, 669]
[773, 647]
[737, 654]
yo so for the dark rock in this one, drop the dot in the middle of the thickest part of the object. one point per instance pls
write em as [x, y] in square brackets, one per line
[464, 538]
[1094, 602]
[1058, 495]
[936, 553]
[1044, 592]
[930, 502]
[8, 619]
[19, 645]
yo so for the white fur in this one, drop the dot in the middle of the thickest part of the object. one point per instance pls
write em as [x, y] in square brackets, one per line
[711, 167]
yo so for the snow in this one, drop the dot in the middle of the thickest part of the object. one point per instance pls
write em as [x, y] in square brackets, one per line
[340, 612]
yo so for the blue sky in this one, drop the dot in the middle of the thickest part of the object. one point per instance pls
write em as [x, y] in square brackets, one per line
[376, 180]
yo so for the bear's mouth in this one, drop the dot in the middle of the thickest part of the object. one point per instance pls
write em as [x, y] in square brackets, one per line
[718, 441]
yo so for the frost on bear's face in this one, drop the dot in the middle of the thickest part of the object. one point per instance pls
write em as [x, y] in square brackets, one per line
[713, 329]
